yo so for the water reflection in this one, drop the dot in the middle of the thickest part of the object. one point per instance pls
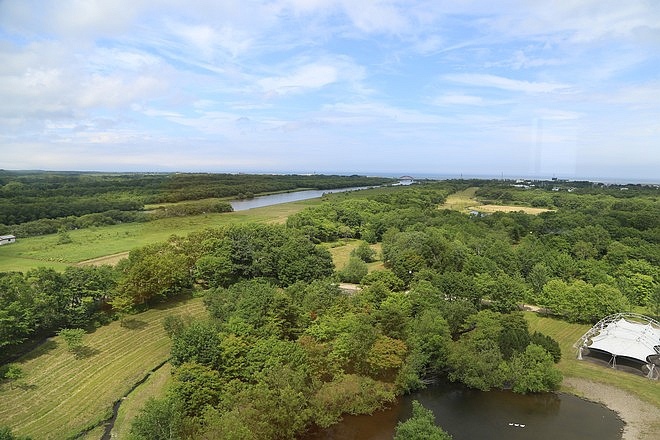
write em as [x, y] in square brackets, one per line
[470, 414]
[275, 199]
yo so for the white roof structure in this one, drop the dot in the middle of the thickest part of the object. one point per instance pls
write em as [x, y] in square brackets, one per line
[627, 335]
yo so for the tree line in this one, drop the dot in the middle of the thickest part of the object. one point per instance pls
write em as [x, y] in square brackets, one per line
[37, 203]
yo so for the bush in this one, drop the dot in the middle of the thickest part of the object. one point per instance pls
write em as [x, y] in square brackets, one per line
[364, 252]
[73, 337]
[550, 345]
[354, 271]
[387, 277]
[421, 426]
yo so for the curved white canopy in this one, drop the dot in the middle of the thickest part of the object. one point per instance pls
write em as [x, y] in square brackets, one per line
[625, 334]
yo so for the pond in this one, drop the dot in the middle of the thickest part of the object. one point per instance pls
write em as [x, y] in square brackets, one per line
[471, 414]
[275, 199]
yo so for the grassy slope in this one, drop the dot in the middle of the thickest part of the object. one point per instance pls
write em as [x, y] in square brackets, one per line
[567, 334]
[155, 387]
[101, 241]
[62, 395]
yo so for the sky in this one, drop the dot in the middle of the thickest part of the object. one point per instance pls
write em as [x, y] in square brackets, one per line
[519, 88]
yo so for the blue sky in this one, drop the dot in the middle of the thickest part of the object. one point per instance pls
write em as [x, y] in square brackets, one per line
[524, 88]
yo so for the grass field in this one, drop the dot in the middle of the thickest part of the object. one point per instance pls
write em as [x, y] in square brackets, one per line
[155, 387]
[341, 252]
[567, 334]
[465, 201]
[461, 200]
[98, 242]
[63, 395]
[509, 208]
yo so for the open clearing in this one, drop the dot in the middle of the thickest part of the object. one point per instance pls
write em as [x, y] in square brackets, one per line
[461, 200]
[341, 252]
[99, 242]
[508, 208]
[62, 395]
[108, 259]
[465, 201]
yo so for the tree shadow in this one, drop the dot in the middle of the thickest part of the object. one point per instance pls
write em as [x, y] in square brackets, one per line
[172, 302]
[133, 324]
[48, 345]
[25, 386]
[84, 352]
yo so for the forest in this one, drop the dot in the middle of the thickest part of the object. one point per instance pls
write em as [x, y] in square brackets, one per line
[37, 203]
[287, 350]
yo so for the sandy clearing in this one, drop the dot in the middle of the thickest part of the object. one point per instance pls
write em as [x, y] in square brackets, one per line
[641, 419]
[509, 208]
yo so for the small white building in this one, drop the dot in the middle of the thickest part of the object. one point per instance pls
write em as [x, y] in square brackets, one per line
[7, 239]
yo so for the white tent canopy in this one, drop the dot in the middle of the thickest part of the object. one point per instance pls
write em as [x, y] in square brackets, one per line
[625, 338]
[624, 335]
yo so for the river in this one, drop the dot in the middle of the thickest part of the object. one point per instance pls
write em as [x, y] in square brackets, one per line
[471, 414]
[296, 196]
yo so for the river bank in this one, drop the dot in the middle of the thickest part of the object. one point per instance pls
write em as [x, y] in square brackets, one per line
[641, 418]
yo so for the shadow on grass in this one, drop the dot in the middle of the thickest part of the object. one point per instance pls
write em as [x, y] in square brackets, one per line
[171, 302]
[25, 386]
[84, 352]
[133, 324]
[47, 346]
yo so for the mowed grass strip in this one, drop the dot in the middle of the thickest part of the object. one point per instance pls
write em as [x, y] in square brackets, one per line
[567, 334]
[155, 387]
[62, 395]
[96, 242]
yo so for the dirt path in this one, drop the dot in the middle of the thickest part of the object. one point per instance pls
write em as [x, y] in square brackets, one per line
[641, 418]
[107, 259]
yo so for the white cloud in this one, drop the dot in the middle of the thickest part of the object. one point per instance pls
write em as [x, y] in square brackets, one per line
[70, 18]
[312, 76]
[557, 115]
[433, 78]
[499, 82]
[462, 99]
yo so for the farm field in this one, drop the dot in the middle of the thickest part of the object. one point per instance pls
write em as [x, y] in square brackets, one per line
[62, 396]
[93, 243]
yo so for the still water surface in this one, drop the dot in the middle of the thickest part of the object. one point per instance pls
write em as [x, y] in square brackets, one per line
[275, 199]
[470, 414]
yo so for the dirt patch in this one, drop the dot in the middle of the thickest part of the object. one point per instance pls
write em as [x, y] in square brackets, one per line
[508, 208]
[641, 418]
[108, 259]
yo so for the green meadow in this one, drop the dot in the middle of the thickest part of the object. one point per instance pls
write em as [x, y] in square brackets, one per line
[97, 242]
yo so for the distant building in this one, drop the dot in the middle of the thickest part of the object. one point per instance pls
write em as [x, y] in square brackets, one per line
[475, 213]
[7, 239]
[406, 180]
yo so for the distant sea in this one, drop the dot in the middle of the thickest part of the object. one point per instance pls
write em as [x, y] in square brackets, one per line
[419, 176]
